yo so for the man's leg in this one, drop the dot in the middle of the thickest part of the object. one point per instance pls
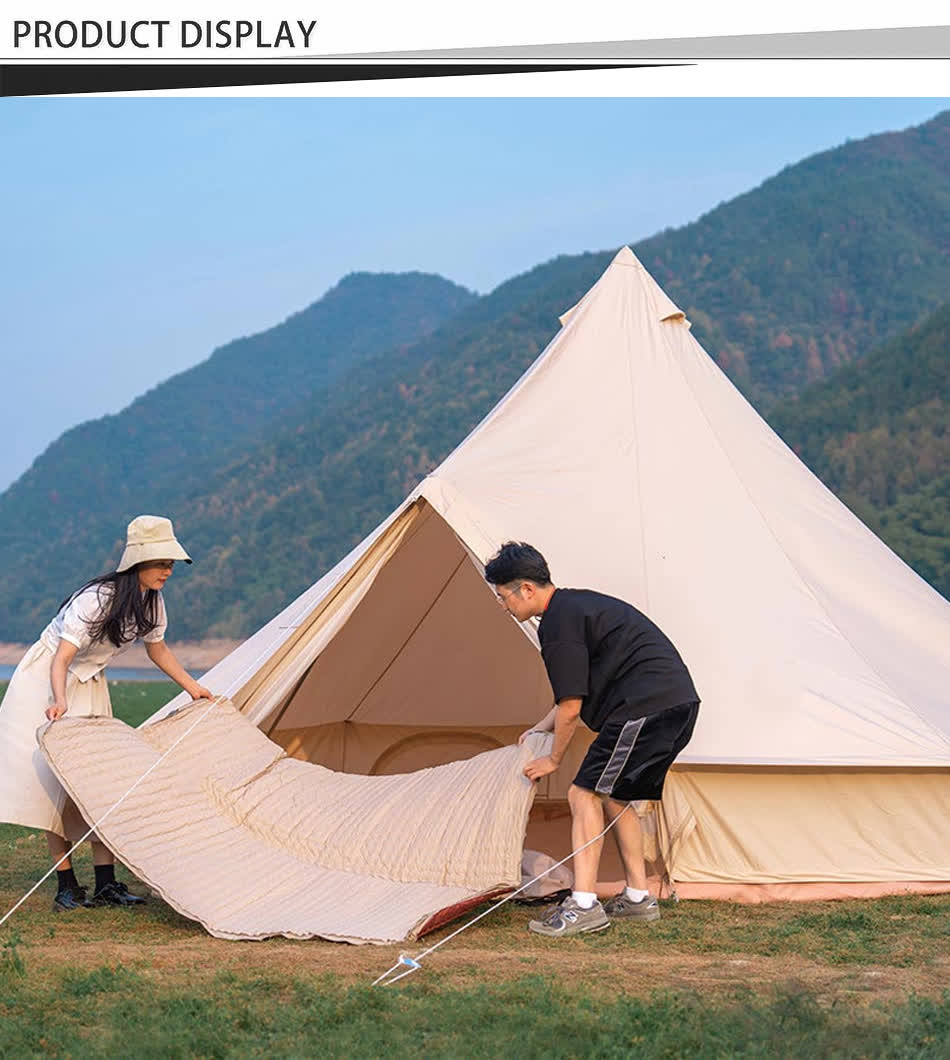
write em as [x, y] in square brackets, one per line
[635, 900]
[587, 819]
[629, 838]
[580, 912]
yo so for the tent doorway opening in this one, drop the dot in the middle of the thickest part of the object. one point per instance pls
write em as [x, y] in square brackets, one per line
[426, 669]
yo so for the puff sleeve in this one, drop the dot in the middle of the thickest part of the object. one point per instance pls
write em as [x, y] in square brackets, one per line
[83, 611]
[158, 633]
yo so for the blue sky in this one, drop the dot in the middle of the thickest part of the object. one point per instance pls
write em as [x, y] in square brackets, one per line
[139, 234]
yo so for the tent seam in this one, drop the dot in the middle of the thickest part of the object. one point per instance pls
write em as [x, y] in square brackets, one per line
[636, 447]
[448, 581]
[320, 607]
[458, 501]
[308, 619]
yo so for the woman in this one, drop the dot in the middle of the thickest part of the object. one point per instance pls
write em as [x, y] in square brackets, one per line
[63, 672]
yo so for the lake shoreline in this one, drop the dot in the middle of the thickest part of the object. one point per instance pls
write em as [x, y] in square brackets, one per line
[198, 655]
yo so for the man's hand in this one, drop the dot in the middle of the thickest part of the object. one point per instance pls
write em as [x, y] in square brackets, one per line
[546, 724]
[540, 767]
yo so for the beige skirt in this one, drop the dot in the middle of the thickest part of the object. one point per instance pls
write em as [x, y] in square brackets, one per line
[29, 793]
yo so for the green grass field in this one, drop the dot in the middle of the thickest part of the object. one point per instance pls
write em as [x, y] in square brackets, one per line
[831, 979]
[133, 701]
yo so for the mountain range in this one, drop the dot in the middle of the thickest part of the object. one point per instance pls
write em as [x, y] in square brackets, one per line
[819, 293]
[878, 434]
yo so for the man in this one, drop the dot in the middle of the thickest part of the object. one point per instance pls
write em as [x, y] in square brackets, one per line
[616, 671]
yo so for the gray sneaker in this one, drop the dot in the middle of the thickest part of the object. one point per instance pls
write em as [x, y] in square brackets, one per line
[621, 906]
[569, 919]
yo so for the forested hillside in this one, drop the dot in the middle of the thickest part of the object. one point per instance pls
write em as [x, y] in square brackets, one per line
[785, 285]
[878, 434]
[820, 264]
[270, 524]
[64, 518]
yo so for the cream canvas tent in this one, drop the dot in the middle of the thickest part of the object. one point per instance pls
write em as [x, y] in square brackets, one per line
[821, 760]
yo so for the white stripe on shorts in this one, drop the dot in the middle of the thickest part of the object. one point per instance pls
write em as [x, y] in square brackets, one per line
[618, 760]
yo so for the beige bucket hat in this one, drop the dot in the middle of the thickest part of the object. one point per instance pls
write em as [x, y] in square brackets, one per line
[150, 537]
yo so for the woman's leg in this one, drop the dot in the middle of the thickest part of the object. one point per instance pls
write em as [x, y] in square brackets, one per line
[69, 894]
[57, 848]
[77, 828]
[101, 854]
[105, 890]
[103, 865]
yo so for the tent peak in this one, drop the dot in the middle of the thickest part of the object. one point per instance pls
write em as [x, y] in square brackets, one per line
[625, 256]
[665, 308]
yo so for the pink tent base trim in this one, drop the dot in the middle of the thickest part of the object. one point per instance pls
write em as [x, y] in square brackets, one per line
[818, 891]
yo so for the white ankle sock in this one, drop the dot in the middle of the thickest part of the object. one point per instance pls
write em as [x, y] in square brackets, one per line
[634, 895]
[585, 899]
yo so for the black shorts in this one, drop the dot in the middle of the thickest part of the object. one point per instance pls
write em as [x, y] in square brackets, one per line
[630, 757]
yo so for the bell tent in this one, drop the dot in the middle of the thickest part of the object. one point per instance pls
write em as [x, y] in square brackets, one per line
[820, 765]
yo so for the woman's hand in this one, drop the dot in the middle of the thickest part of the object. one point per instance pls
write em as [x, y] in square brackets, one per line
[160, 654]
[55, 711]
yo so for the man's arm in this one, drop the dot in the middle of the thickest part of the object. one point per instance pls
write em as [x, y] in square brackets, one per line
[566, 715]
[546, 724]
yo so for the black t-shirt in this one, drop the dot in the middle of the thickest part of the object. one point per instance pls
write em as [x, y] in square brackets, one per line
[611, 655]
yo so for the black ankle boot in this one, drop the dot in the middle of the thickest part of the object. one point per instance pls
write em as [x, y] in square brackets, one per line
[69, 898]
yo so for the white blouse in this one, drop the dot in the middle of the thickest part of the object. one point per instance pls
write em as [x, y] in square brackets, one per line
[72, 623]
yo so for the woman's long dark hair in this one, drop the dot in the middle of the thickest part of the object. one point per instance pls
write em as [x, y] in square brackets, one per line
[127, 611]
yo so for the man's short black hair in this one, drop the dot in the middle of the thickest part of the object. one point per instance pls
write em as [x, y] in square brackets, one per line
[517, 561]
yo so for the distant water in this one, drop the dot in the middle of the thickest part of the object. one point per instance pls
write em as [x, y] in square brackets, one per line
[117, 674]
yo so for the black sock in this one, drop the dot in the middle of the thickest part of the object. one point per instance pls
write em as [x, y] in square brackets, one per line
[67, 879]
[104, 874]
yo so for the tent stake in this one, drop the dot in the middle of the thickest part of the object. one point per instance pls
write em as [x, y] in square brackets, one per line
[415, 962]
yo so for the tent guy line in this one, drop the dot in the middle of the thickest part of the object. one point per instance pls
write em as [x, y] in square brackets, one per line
[79, 842]
[778, 598]
[414, 963]
[772, 589]
[218, 698]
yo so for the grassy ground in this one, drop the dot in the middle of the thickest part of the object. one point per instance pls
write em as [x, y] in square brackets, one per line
[133, 701]
[845, 979]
